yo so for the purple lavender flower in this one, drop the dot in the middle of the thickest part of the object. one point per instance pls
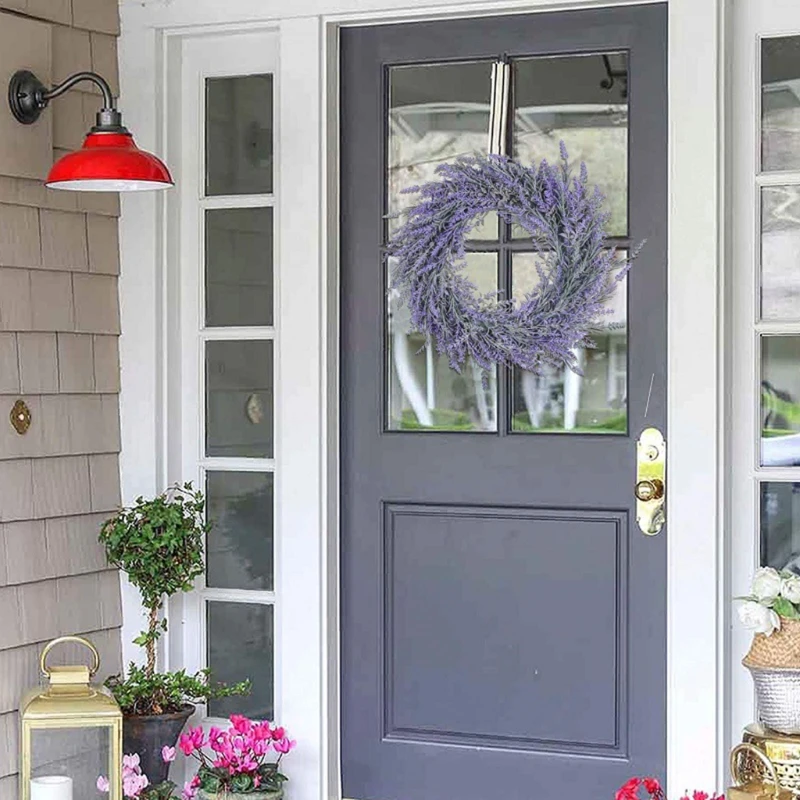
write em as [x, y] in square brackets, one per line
[567, 225]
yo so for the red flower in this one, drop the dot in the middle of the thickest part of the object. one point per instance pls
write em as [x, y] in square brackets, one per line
[652, 785]
[629, 790]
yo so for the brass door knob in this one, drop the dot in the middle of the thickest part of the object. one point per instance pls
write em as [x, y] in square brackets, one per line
[647, 490]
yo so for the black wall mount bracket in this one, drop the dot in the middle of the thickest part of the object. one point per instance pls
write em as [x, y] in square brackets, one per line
[26, 97]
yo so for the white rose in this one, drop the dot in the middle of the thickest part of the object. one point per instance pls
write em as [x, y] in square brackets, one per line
[790, 588]
[758, 618]
[766, 585]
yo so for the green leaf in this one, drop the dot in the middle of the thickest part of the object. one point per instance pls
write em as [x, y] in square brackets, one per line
[785, 609]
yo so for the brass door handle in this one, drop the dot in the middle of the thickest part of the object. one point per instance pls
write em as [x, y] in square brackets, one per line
[650, 488]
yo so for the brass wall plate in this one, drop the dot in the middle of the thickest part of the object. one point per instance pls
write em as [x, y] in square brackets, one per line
[20, 417]
[651, 487]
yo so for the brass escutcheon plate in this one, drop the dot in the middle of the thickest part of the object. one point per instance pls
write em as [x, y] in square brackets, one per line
[20, 417]
[650, 489]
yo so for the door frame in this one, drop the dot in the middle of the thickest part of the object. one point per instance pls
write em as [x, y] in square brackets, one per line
[697, 647]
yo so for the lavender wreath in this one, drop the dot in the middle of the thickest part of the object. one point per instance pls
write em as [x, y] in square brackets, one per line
[577, 273]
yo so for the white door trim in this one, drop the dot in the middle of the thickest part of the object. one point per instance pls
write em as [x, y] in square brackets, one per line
[752, 21]
[697, 644]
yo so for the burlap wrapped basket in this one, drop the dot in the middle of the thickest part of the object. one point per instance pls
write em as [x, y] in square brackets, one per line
[780, 649]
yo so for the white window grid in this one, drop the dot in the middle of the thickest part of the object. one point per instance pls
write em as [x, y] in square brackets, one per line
[192, 649]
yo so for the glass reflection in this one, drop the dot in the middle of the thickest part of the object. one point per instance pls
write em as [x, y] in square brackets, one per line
[239, 132]
[780, 525]
[561, 98]
[780, 103]
[239, 253]
[561, 400]
[239, 545]
[241, 646]
[437, 112]
[425, 393]
[780, 401]
[239, 399]
[780, 252]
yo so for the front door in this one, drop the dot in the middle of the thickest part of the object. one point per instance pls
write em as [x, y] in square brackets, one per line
[503, 616]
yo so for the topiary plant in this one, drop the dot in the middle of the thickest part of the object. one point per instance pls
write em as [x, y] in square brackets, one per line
[159, 544]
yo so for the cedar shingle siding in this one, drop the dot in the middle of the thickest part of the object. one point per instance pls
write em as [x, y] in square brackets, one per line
[59, 322]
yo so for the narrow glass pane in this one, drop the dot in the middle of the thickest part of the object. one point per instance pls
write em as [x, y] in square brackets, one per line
[241, 645]
[240, 544]
[239, 399]
[780, 525]
[239, 135]
[239, 257]
[560, 400]
[425, 393]
[780, 103]
[437, 112]
[562, 98]
[780, 401]
[780, 252]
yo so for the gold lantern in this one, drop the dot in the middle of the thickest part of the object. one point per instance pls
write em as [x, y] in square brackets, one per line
[70, 733]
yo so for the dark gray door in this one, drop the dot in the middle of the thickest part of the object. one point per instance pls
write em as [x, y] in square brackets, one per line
[503, 618]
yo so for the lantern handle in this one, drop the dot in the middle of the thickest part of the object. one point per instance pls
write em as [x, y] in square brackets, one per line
[760, 756]
[63, 639]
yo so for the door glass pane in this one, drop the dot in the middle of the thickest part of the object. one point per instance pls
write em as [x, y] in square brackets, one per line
[425, 393]
[780, 252]
[437, 112]
[780, 401]
[239, 399]
[239, 252]
[241, 646]
[239, 135]
[561, 401]
[562, 98]
[780, 103]
[780, 525]
[239, 549]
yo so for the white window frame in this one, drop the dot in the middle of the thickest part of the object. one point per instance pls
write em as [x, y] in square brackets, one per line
[203, 58]
[698, 662]
[752, 21]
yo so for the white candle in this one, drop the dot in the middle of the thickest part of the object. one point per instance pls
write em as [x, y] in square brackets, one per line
[51, 787]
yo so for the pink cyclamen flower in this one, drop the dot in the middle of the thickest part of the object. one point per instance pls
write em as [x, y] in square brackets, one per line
[102, 784]
[278, 733]
[189, 791]
[191, 740]
[262, 731]
[284, 745]
[168, 754]
[215, 739]
[240, 724]
[131, 761]
[133, 784]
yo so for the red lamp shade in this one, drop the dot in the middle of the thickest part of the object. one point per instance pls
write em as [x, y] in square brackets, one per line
[109, 161]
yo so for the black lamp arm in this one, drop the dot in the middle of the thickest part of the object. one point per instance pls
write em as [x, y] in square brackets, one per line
[78, 77]
[28, 97]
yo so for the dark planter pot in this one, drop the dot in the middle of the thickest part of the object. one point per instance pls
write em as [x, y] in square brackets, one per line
[147, 737]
